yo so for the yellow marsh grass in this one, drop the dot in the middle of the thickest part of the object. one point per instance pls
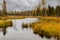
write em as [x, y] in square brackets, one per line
[52, 27]
[4, 23]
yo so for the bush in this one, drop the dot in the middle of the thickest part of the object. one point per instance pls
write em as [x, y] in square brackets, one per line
[24, 25]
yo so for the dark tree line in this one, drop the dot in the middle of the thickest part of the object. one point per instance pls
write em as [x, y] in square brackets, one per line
[53, 11]
[57, 11]
[50, 11]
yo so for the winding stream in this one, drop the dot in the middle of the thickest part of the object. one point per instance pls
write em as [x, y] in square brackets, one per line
[17, 33]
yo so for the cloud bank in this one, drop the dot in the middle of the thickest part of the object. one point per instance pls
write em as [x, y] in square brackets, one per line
[26, 4]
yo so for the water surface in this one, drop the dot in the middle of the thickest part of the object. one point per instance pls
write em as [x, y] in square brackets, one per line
[17, 33]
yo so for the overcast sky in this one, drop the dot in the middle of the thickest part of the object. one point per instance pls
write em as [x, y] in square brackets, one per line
[26, 4]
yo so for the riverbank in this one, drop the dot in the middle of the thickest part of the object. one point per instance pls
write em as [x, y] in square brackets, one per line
[22, 17]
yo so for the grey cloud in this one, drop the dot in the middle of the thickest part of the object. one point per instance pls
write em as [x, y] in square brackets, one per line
[21, 4]
[27, 4]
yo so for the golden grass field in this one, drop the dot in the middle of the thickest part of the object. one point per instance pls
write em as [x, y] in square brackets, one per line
[51, 27]
[21, 17]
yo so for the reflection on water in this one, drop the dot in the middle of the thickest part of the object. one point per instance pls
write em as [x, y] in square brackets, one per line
[26, 25]
[41, 33]
[17, 33]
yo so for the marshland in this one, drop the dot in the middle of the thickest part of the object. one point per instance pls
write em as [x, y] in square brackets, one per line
[39, 23]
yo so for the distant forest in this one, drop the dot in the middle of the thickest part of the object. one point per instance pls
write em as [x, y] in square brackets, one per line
[50, 11]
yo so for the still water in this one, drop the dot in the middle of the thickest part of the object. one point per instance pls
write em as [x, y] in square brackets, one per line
[17, 33]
